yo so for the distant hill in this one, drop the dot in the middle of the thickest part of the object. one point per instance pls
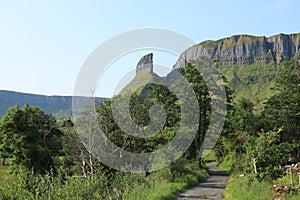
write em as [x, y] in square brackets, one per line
[60, 106]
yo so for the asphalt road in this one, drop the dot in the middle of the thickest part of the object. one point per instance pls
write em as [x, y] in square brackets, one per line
[212, 188]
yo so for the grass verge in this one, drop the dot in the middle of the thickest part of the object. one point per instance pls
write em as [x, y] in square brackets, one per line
[164, 189]
[247, 189]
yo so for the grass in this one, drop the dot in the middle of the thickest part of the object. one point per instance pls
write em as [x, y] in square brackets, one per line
[163, 191]
[293, 195]
[210, 157]
[163, 184]
[228, 162]
[249, 188]
[4, 175]
[253, 81]
[3, 170]
[140, 80]
[166, 191]
[246, 188]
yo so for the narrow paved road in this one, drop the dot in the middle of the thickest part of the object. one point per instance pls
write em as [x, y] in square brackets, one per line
[212, 188]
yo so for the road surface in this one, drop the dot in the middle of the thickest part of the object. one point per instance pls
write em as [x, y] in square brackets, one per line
[212, 188]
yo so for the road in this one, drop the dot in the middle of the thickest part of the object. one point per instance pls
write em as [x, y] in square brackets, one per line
[212, 188]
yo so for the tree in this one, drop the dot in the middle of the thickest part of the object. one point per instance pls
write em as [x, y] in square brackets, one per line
[76, 159]
[267, 153]
[30, 138]
[240, 125]
[282, 109]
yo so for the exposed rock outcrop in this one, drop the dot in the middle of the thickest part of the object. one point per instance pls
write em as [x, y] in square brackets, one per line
[145, 63]
[245, 50]
[236, 56]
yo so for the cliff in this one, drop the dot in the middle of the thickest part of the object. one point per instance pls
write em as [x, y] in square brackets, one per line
[145, 63]
[245, 50]
[144, 75]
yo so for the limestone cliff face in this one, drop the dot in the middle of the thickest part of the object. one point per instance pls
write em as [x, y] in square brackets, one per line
[145, 63]
[245, 50]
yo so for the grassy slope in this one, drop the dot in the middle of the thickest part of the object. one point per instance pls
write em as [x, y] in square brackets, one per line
[253, 82]
[140, 80]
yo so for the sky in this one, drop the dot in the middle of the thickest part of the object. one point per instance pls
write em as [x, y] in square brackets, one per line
[43, 44]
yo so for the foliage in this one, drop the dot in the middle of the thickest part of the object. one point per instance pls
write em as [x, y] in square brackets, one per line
[269, 154]
[282, 109]
[52, 162]
[271, 137]
[159, 185]
[30, 138]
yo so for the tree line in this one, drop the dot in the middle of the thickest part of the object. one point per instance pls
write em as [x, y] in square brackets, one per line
[259, 143]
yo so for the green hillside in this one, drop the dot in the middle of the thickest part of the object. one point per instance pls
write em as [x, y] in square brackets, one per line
[253, 82]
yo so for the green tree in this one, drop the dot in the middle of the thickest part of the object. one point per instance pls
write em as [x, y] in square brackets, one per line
[30, 138]
[267, 153]
[282, 109]
[240, 124]
[200, 88]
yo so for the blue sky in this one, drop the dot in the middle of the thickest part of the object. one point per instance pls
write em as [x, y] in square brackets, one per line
[44, 43]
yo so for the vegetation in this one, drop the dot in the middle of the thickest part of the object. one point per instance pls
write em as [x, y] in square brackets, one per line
[29, 138]
[253, 82]
[258, 144]
[159, 185]
[45, 159]
[247, 188]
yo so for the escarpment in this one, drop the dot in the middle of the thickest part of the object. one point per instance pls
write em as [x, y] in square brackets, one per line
[245, 50]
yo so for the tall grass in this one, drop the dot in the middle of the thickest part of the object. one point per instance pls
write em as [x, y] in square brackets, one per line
[247, 188]
[163, 184]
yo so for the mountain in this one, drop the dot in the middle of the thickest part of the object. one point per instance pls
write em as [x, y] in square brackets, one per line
[144, 74]
[246, 50]
[60, 106]
[249, 63]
